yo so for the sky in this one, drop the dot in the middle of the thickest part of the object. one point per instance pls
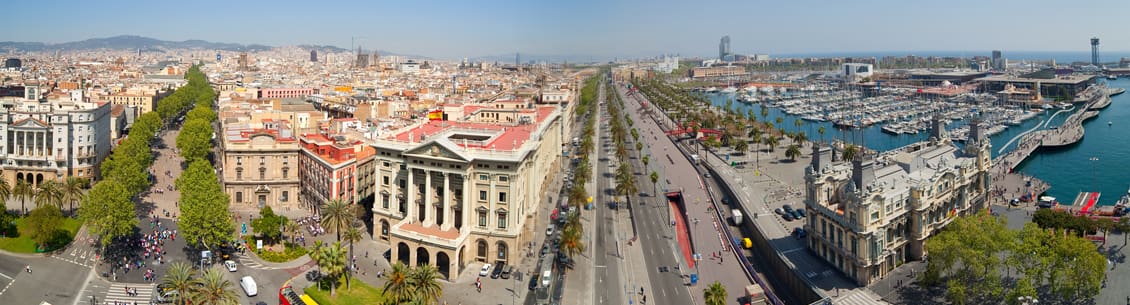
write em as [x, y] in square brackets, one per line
[605, 29]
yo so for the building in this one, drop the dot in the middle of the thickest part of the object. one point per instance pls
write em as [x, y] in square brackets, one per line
[328, 168]
[410, 66]
[449, 193]
[667, 64]
[724, 52]
[854, 72]
[52, 137]
[1095, 51]
[140, 100]
[362, 60]
[998, 62]
[260, 165]
[275, 93]
[244, 62]
[717, 71]
[313, 55]
[13, 64]
[867, 216]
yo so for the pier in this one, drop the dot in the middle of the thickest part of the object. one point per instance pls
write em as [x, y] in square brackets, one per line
[1013, 185]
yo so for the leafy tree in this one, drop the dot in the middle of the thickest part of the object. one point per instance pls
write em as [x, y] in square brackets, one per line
[425, 284]
[205, 218]
[43, 224]
[398, 286]
[337, 214]
[269, 225]
[49, 194]
[195, 139]
[108, 211]
[180, 278]
[23, 191]
[214, 289]
[715, 294]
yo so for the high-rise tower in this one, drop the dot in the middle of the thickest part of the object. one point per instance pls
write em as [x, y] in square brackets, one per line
[1095, 51]
[724, 48]
[314, 55]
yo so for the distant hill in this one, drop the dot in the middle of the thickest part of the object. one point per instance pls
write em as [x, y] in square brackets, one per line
[508, 59]
[133, 42]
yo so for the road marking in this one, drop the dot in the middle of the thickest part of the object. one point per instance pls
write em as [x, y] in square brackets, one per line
[791, 250]
[5, 275]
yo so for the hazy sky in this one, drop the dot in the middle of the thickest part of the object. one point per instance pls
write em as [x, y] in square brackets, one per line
[454, 29]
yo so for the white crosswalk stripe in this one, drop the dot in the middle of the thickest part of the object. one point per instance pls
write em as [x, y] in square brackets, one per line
[82, 257]
[245, 262]
[117, 293]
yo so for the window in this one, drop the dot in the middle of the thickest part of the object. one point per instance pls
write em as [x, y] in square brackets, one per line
[239, 174]
[482, 219]
[403, 183]
[238, 196]
[285, 195]
[385, 164]
[262, 173]
[503, 178]
[384, 180]
[482, 195]
[501, 196]
[285, 172]
[384, 201]
[262, 160]
[286, 159]
[238, 160]
[484, 177]
[502, 220]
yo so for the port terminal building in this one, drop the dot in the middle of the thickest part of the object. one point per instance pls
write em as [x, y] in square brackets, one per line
[1061, 85]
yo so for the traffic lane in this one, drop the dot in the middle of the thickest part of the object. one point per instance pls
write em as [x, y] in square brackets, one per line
[666, 287]
[268, 282]
[50, 280]
[607, 285]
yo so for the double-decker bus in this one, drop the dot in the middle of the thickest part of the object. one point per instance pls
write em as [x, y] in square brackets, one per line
[287, 296]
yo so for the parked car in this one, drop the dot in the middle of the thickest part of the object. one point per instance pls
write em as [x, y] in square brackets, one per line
[788, 209]
[533, 282]
[230, 265]
[800, 232]
[549, 230]
[779, 211]
[485, 271]
[797, 214]
[506, 271]
[801, 212]
[497, 270]
[788, 217]
[544, 250]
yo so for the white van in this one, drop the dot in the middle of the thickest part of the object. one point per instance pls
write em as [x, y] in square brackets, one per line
[249, 286]
[545, 278]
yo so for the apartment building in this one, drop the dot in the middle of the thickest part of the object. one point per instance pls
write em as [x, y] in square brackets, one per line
[328, 167]
[449, 193]
[871, 214]
[142, 99]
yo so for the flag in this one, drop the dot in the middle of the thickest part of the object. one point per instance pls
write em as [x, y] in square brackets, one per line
[435, 115]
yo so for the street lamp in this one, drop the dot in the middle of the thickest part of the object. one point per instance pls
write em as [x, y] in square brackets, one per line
[1093, 160]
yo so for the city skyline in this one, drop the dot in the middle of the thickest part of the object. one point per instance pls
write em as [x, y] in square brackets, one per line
[453, 30]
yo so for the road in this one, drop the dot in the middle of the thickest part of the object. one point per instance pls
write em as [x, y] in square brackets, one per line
[705, 227]
[606, 257]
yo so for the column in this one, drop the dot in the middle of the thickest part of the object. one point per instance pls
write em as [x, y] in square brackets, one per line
[409, 187]
[446, 206]
[429, 211]
[466, 204]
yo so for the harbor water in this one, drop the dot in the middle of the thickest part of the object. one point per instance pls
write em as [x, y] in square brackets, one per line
[1068, 170]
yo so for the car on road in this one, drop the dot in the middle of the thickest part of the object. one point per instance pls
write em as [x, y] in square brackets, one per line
[485, 271]
[230, 265]
[544, 250]
[497, 270]
[533, 282]
[249, 286]
[707, 175]
[549, 230]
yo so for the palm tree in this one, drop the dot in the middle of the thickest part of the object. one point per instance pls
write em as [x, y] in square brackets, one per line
[792, 152]
[49, 194]
[798, 123]
[291, 228]
[5, 192]
[645, 160]
[573, 219]
[23, 191]
[741, 147]
[772, 142]
[625, 182]
[72, 191]
[425, 284]
[337, 214]
[333, 263]
[850, 151]
[179, 278]
[715, 294]
[351, 235]
[654, 179]
[214, 289]
[799, 138]
[397, 287]
[316, 256]
[577, 195]
[821, 131]
[571, 241]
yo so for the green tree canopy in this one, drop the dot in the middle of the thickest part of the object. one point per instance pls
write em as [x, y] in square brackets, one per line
[269, 225]
[108, 211]
[205, 216]
[44, 223]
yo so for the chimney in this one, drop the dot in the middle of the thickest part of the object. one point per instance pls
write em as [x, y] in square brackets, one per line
[862, 170]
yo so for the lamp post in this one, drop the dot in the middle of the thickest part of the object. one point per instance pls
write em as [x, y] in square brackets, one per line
[1093, 160]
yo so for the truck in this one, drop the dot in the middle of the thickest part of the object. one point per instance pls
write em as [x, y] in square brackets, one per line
[737, 216]
[694, 158]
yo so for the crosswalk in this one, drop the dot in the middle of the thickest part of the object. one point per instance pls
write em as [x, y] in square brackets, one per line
[860, 297]
[82, 256]
[247, 262]
[117, 294]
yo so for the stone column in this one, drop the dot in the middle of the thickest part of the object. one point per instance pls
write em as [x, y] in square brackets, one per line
[446, 206]
[466, 204]
[410, 188]
[429, 211]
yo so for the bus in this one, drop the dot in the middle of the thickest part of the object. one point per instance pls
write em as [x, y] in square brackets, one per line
[287, 296]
